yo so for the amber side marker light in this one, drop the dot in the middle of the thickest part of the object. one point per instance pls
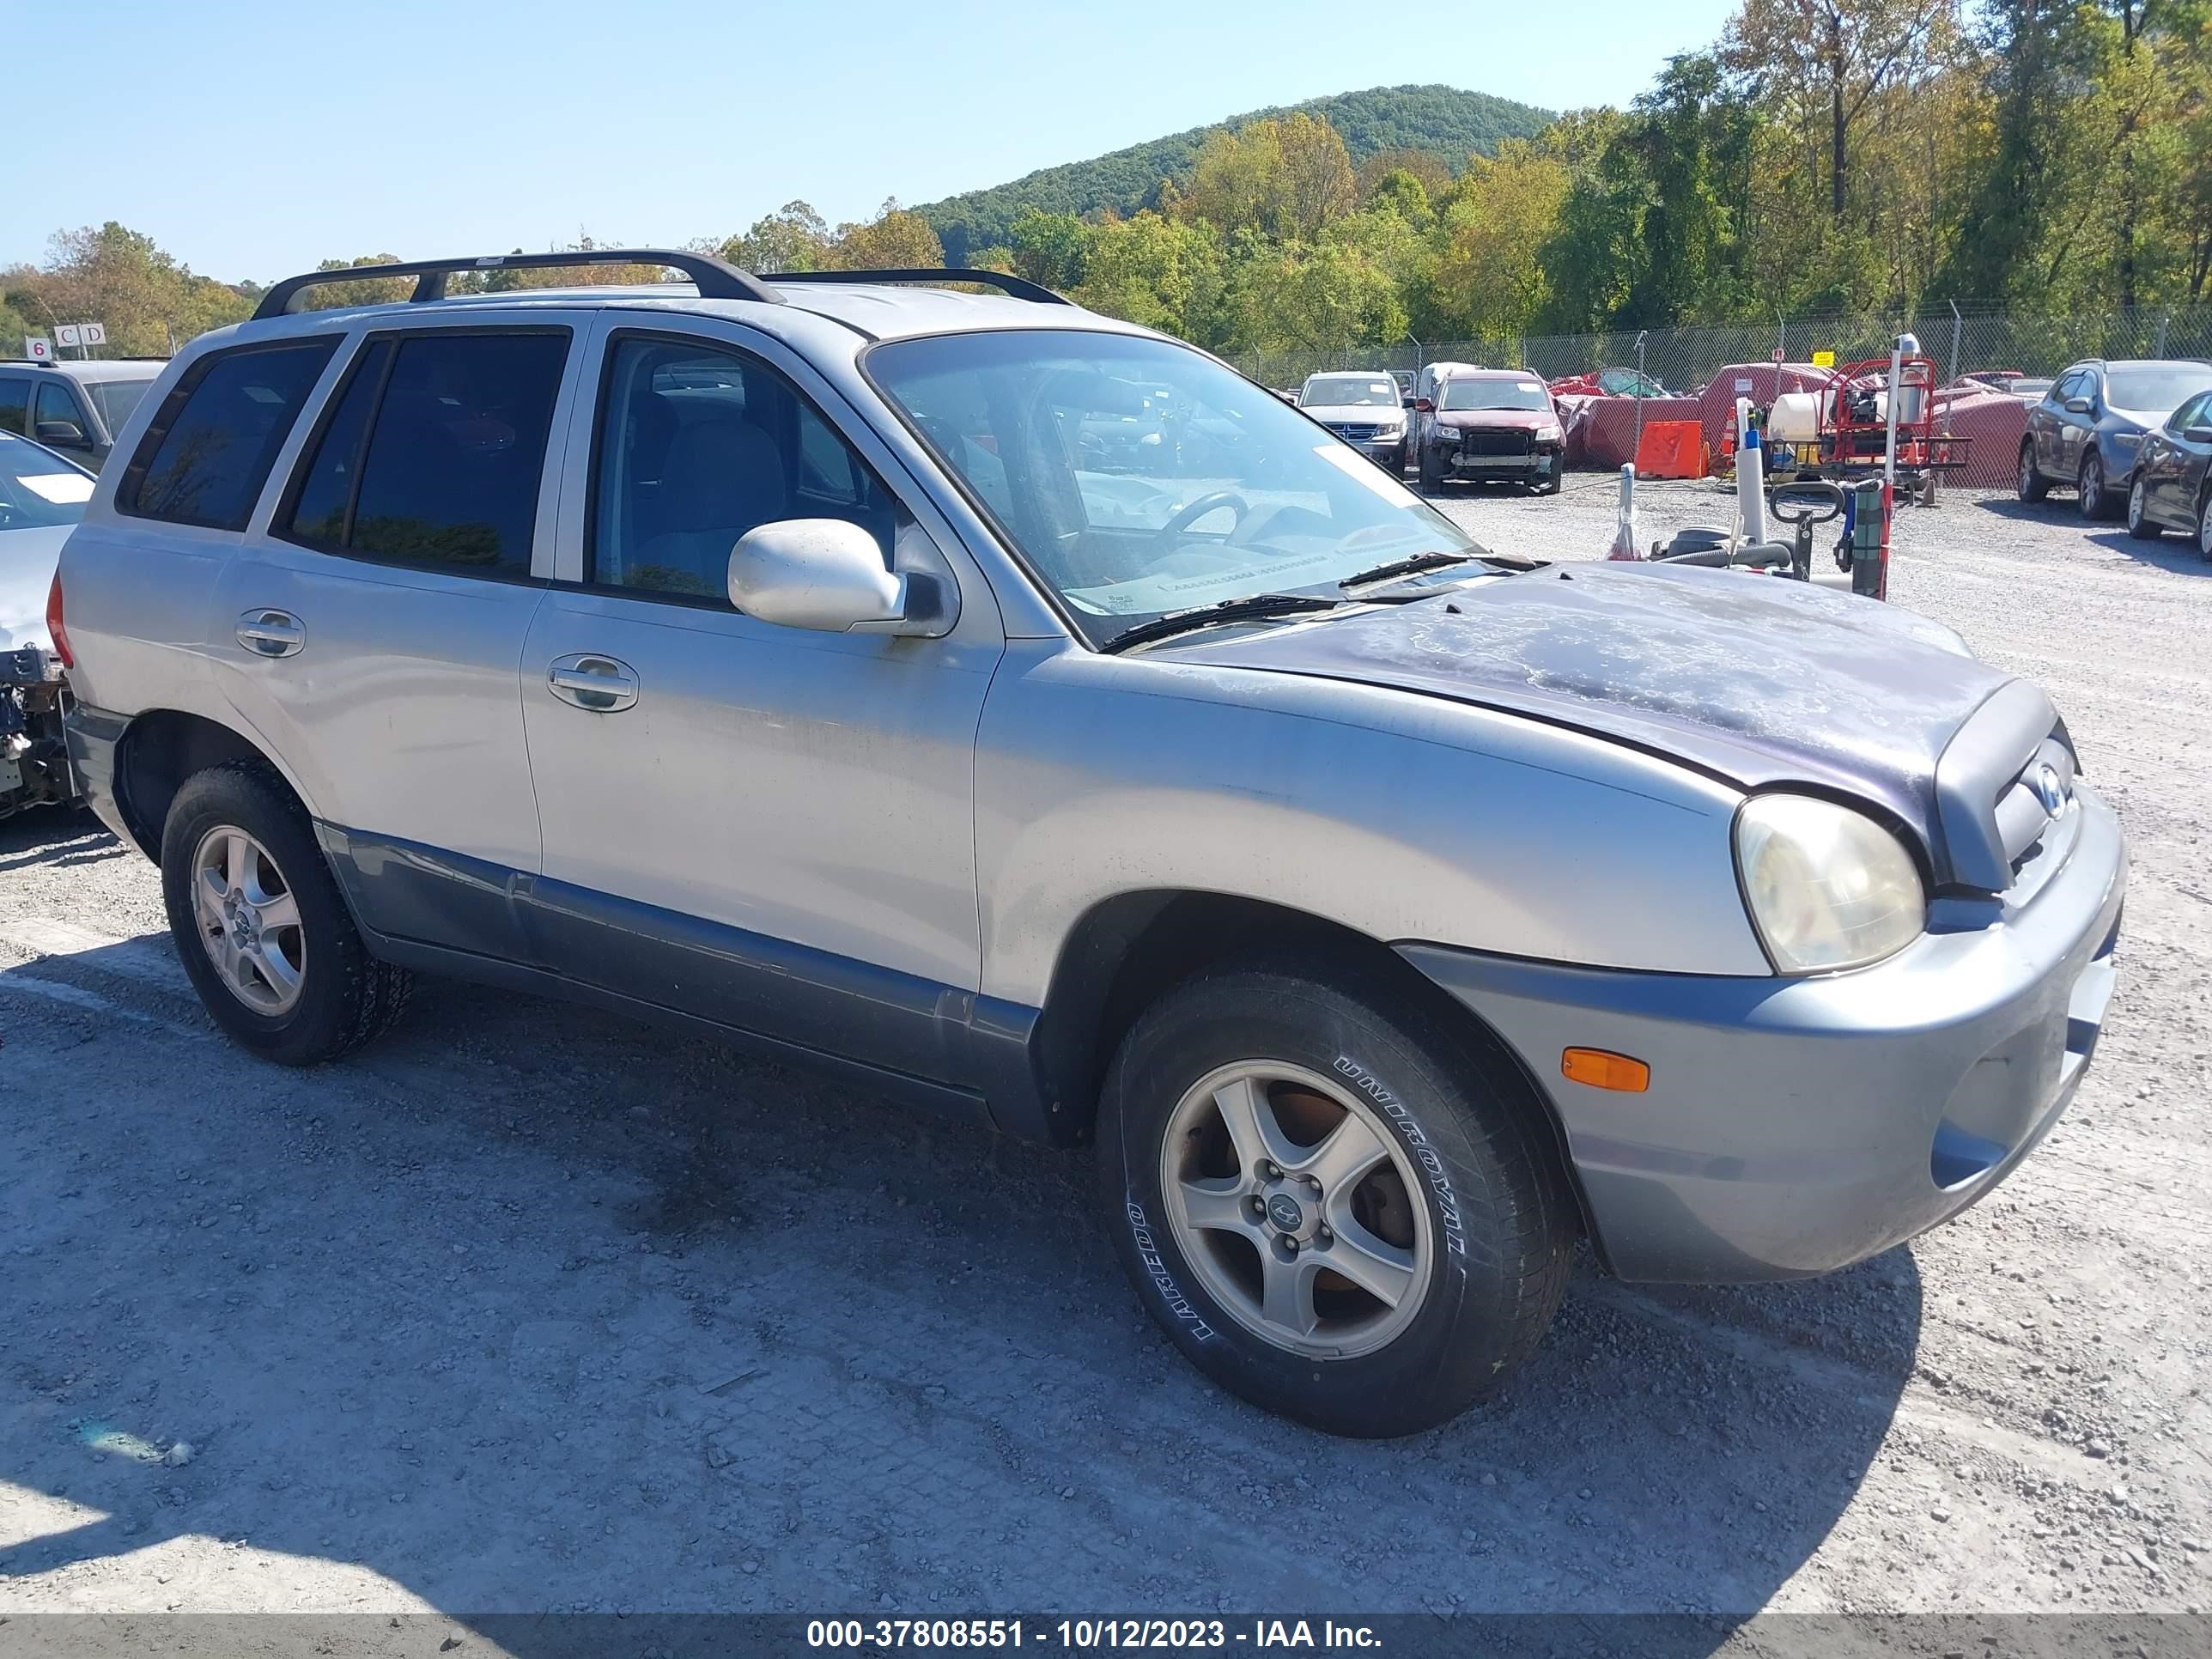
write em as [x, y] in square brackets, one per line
[1602, 1069]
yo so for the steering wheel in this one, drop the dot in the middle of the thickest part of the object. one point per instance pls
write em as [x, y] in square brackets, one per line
[1210, 501]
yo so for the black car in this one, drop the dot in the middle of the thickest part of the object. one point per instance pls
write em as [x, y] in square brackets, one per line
[2171, 489]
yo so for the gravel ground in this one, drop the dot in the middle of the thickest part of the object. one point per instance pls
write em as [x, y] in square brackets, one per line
[527, 1309]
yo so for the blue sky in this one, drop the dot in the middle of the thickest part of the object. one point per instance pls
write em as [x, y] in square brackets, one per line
[252, 139]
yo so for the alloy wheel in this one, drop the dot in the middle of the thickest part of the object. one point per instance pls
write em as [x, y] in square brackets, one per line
[249, 920]
[2092, 491]
[2204, 526]
[1297, 1207]
[2135, 506]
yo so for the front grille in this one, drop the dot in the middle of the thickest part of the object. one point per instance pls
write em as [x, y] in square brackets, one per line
[1357, 431]
[2028, 806]
[1523, 442]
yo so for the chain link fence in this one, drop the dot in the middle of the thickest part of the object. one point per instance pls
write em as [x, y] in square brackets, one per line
[1683, 359]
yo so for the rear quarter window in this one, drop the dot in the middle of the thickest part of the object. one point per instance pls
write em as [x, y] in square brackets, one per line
[208, 453]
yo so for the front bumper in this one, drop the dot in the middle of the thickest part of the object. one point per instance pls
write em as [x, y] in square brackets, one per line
[1537, 463]
[1796, 1125]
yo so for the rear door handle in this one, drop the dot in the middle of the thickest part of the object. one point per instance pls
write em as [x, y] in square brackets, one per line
[605, 685]
[269, 632]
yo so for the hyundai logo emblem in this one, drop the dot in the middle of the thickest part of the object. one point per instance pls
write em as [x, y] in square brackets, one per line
[2050, 790]
[1283, 1210]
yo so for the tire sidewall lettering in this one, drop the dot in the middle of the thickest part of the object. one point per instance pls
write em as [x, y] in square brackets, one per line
[1400, 1116]
[1162, 1280]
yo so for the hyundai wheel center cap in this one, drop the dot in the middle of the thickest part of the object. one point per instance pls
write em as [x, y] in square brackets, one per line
[1284, 1211]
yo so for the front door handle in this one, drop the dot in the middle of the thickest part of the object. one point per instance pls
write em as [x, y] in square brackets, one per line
[605, 685]
[270, 633]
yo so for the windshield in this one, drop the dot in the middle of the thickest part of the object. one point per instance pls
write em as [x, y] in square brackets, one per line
[115, 399]
[1137, 477]
[39, 490]
[1494, 394]
[1339, 391]
[2155, 390]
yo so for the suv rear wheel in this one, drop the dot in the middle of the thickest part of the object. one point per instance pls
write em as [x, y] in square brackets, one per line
[260, 925]
[1333, 1206]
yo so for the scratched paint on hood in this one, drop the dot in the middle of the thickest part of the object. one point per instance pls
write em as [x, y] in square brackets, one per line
[1756, 678]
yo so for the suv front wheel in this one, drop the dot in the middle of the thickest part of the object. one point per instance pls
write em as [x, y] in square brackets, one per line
[258, 920]
[1334, 1206]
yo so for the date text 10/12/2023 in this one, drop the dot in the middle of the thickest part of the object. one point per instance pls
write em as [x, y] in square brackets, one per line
[1084, 1635]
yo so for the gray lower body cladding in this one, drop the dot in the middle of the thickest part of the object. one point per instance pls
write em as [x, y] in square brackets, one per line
[1796, 1125]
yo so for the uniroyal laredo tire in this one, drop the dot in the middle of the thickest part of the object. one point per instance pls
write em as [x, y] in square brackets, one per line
[345, 995]
[1501, 1220]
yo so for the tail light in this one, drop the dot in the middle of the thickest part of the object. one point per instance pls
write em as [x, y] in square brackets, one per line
[54, 623]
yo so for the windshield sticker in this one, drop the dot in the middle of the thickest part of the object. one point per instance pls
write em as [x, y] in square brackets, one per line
[61, 489]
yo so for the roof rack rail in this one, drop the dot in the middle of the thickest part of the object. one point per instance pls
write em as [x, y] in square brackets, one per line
[1019, 287]
[716, 279]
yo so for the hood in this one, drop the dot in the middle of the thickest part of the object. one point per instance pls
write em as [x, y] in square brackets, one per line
[1360, 414]
[28, 558]
[1508, 420]
[1755, 679]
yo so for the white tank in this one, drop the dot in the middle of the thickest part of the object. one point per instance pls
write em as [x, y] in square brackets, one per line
[1794, 418]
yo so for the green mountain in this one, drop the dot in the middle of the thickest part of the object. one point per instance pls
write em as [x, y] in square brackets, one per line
[1444, 119]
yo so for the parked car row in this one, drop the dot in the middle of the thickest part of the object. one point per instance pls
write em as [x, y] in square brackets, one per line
[1454, 423]
[2132, 437]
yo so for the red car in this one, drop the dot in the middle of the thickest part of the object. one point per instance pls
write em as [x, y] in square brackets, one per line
[1493, 425]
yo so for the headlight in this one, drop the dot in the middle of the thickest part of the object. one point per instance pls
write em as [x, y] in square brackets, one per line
[1547, 433]
[1826, 887]
[1390, 429]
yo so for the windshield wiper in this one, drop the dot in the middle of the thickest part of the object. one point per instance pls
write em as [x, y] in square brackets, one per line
[1419, 562]
[1251, 607]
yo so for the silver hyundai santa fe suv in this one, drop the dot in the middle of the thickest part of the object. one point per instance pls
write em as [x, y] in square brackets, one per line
[783, 658]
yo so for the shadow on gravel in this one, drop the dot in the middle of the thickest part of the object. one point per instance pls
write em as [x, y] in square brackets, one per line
[526, 1309]
[56, 838]
[2172, 551]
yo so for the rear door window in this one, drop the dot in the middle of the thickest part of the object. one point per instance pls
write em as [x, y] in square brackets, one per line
[208, 453]
[432, 456]
[16, 405]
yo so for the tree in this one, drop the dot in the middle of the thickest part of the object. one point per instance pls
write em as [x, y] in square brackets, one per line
[372, 291]
[1052, 248]
[895, 239]
[1425, 166]
[793, 238]
[1486, 276]
[1815, 62]
[148, 303]
[1163, 273]
[1285, 178]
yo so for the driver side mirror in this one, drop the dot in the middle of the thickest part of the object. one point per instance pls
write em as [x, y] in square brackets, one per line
[2079, 406]
[827, 574]
[1424, 405]
[2197, 434]
[68, 434]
